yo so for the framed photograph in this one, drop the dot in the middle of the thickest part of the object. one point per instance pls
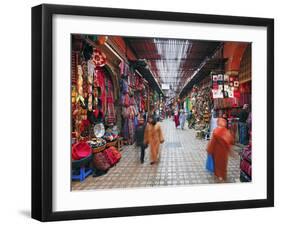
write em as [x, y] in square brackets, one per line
[132, 113]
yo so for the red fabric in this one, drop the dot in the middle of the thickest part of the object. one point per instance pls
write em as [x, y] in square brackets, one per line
[219, 147]
[177, 121]
[126, 99]
[97, 112]
[84, 124]
[111, 159]
[80, 150]
[116, 153]
[99, 58]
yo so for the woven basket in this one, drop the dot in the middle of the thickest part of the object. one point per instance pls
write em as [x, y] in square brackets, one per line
[112, 143]
[99, 149]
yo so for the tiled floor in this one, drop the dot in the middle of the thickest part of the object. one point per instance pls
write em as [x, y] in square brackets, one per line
[182, 162]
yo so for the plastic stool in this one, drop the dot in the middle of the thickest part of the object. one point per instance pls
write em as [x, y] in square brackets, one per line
[81, 169]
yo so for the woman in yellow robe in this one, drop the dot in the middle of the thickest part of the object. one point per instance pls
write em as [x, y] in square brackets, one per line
[153, 136]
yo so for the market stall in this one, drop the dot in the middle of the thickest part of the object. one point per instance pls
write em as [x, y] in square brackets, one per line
[93, 99]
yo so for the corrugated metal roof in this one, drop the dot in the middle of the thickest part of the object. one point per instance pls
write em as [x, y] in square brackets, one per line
[172, 61]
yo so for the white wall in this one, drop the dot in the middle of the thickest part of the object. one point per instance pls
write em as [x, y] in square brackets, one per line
[15, 110]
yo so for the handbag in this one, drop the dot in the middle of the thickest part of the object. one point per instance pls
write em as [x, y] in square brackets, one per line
[210, 163]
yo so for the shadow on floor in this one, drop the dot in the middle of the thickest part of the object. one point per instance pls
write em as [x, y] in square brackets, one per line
[25, 213]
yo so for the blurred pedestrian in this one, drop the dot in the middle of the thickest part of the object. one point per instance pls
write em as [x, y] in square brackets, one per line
[182, 119]
[153, 136]
[140, 137]
[176, 119]
[220, 147]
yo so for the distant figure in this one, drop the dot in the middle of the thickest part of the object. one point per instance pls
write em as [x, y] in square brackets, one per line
[157, 115]
[140, 137]
[219, 147]
[224, 116]
[213, 121]
[176, 119]
[153, 136]
[243, 129]
[182, 119]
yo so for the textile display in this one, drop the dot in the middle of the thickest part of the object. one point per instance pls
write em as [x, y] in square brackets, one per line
[110, 115]
[101, 83]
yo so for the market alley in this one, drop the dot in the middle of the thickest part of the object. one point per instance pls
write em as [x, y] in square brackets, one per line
[182, 162]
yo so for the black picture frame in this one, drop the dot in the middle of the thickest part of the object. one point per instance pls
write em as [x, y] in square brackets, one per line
[42, 111]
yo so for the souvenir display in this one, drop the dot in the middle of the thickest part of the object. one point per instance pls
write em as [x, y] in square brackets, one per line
[96, 142]
[201, 101]
[99, 130]
[110, 134]
[246, 164]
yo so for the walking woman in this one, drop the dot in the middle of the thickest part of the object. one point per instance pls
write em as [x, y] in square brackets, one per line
[153, 136]
[220, 147]
[176, 119]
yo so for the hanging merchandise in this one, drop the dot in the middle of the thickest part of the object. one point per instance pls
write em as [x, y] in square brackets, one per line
[87, 51]
[80, 84]
[124, 88]
[126, 100]
[201, 100]
[225, 91]
[110, 114]
[100, 82]
[121, 67]
[99, 58]
[91, 71]
[90, 101]
[128, 110]
[131, 123]
[95, 116]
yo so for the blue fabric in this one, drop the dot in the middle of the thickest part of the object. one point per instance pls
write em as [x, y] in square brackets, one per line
[210, 163]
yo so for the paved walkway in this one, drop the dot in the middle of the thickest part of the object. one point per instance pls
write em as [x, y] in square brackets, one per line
[182, 162]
